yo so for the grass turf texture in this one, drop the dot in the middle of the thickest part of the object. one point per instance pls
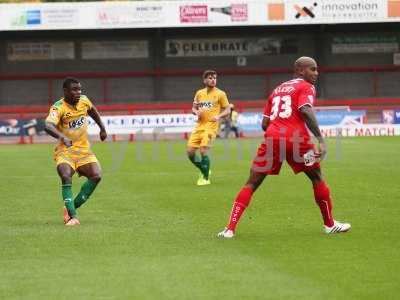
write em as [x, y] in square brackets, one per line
[149, 233]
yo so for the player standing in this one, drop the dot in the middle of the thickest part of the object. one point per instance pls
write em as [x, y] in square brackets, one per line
[287, 115]
[67, 122]
[210, 105]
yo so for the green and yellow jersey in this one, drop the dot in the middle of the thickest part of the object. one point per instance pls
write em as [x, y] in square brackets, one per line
[210, 104]
[71, 121]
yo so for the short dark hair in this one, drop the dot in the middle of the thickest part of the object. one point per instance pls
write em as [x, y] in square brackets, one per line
[67, 82]
[207, 73]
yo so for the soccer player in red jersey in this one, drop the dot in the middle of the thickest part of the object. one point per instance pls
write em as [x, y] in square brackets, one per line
[288, 118]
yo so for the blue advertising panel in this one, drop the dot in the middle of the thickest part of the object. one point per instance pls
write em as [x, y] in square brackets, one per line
[252, 121]
[340, 117]
[396, 119]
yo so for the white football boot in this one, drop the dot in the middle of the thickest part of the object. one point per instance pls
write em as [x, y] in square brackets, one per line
[226, 233]
[337, 227]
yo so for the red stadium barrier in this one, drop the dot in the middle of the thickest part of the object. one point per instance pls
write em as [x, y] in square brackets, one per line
[184, 107]
[192, 72]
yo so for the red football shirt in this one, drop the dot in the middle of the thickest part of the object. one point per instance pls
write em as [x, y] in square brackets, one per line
[283, 109]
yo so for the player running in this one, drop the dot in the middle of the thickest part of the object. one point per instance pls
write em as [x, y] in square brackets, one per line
[288, 115]
[210, 105]
[67, 122]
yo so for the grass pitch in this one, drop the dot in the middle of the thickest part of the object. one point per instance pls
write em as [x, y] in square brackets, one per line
[149, 233]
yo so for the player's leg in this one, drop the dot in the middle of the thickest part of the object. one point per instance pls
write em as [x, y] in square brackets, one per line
[266, 162]
[92, 172]
[206, 140]
[295, 159]
[65, 172]
[321, 195]
[242, 201]
[227, 129]
[323, 199]
[235, 129]
[193, 157]
[205, 162]
[199, 163]
[193, 145]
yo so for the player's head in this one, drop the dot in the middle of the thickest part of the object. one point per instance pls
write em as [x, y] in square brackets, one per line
[72, 89]
[306, 67]
[210, 78]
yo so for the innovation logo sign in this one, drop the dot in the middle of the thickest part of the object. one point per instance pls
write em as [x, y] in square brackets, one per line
[334, 11]
[305, 11]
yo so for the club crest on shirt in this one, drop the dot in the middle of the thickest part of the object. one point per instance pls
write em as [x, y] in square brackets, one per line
[54, 113]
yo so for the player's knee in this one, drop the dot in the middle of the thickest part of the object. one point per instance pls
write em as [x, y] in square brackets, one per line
[96, 178]
[253, 185]
[203, 151]
[315, 176]
[190, 153]
[255, 180]
[66, 178]
[318, 176]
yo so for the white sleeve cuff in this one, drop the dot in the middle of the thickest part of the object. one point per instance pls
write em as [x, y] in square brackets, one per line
[309, 104]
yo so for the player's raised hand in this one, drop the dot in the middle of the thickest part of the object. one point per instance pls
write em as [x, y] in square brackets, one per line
[66, 141]
[103, 135]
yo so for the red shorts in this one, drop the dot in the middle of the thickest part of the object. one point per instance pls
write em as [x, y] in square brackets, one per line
[272, 152]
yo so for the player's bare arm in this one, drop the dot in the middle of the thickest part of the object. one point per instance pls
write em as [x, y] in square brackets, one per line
[312, 124]
[224, 113]
[94, 114]
[265, 123]
[195, 108]
[54, 132]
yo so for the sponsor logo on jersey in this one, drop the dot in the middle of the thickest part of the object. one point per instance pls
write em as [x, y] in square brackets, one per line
[206, 104]
[78, 123]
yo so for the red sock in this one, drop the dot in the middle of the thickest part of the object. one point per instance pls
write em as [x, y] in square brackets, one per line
[323, 199]
[242, 201]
